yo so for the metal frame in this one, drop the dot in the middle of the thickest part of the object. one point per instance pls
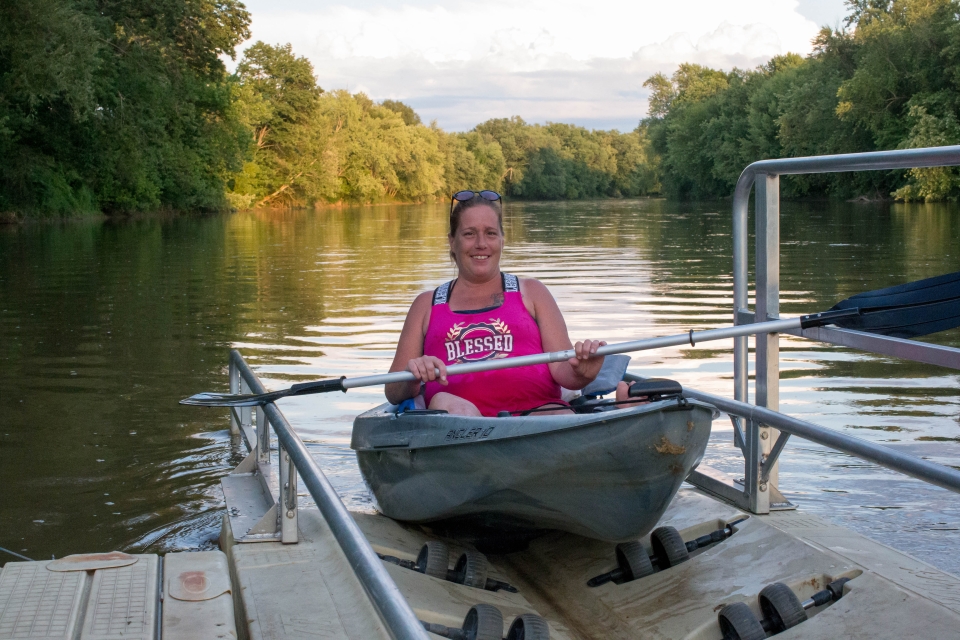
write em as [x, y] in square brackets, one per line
[758, 439]
[293, 457]
[276, 517]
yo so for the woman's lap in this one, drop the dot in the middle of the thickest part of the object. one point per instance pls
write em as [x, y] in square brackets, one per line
[456, 405]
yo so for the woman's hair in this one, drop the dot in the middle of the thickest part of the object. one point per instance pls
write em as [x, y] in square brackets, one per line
[476, 201]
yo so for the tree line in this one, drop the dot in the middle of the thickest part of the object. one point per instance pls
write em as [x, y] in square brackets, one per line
[312, 146]
[117, 106]
[889, 79]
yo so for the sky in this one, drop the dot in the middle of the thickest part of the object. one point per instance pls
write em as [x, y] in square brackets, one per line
[578, 61]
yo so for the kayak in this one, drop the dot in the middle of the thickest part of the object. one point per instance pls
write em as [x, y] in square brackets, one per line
[608, 474]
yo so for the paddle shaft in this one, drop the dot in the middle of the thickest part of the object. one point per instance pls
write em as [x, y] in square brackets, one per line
[691, 338]
[904, 311]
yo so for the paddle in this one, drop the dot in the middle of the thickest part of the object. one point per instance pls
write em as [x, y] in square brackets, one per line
[904, 311]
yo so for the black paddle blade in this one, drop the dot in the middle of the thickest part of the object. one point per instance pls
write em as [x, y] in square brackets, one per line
[908, 310]
[257, 399]
[234, 399]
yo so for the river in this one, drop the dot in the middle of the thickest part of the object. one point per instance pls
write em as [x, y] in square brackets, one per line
[105, 325]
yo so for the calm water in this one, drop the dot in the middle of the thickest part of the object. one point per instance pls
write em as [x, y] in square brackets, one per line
[104, 326]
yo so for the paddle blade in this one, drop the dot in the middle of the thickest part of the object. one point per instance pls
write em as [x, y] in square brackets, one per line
[936, 289]
[907, 322]
[233, 399]
[908, 310]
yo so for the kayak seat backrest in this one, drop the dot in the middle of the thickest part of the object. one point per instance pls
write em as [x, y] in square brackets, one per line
[655, 388]
[610, 374]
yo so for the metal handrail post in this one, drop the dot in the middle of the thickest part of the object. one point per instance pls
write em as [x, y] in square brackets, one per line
[246, 413]
[263, 439]
[234, 388]
[391, 606]
[767, 355]
[287, 502]
[740, 285]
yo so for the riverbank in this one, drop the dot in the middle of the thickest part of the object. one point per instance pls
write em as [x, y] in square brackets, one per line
[11, 218]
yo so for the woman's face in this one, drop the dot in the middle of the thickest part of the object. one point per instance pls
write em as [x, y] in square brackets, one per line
[477, 244]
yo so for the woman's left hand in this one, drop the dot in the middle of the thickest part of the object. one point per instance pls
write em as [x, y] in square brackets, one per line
[587, 363]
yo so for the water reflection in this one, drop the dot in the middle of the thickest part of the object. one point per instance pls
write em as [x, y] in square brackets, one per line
[105, 326]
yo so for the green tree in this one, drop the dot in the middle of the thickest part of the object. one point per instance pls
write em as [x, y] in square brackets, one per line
[637, 168]
[566, 161]
[277, 100]
[935, 183]
[517, 141]
[472, 161]
[406, 112]
[117, 106]
[889, 81]
[375, 155]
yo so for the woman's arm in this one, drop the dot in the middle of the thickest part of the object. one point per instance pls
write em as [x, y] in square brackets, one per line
[409, 356]
[575, 373]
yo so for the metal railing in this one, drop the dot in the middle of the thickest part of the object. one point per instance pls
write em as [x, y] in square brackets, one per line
[391, 606]
[754, 430]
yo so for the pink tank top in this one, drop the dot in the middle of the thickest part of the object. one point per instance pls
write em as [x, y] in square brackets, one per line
[506, 331]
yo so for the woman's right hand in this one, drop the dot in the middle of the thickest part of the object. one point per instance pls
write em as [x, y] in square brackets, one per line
[425, 369]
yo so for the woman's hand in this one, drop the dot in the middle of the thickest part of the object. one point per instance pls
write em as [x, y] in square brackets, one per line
[425, 369]
[587, 363]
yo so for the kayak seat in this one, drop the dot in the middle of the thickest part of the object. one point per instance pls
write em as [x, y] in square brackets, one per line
[610, 374]
[655, 389]
[649, 389]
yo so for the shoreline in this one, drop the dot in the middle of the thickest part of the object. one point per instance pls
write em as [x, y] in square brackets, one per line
[11, 219]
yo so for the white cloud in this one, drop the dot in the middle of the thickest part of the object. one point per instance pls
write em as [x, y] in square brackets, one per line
[560, 60]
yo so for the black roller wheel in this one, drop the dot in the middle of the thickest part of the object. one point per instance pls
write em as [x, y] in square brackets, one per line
[433, 559]
[738, 622]
[529, 626]
[668, 547]
[781, 607]
[483, 622]
[633, 560]
[471, 569]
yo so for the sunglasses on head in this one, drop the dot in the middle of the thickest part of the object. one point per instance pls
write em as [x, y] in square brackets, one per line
[463, 196]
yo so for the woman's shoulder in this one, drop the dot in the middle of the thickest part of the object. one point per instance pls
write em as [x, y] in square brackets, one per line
[423, 301]
[419, 313]
[532, 287]
[536, 297]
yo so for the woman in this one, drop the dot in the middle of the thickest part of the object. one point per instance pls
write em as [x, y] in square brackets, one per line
[486, 314]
